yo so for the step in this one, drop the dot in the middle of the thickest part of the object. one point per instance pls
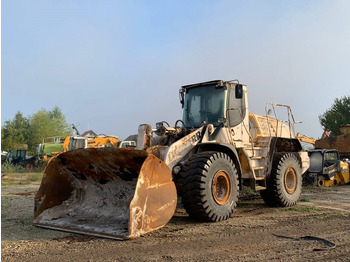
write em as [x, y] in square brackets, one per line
[257, 188]
[257, 157]
[260, 178]
[259, 168]
[247, 147]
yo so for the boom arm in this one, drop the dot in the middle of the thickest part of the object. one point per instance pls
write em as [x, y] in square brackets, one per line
[306, 139]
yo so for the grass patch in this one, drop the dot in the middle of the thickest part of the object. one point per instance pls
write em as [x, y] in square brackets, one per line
[35, 177]
[305, 199]
[9, 168]
[330, 215]
[248, 190]
[10, 179]
[315, 189]
[248, 193]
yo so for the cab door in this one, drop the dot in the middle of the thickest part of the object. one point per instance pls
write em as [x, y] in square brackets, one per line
[237, 114]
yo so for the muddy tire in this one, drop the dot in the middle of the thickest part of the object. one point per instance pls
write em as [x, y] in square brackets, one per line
[284, 182]
[208, 185]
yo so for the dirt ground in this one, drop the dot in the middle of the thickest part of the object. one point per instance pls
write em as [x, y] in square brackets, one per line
[255, 233]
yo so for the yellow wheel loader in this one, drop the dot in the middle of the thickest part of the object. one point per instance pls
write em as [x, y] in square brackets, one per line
[205, 159]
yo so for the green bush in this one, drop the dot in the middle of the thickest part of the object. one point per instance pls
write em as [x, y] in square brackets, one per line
[9, 168]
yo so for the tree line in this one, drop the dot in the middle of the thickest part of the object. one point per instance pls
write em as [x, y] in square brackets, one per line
[32, 130]
[336, 116]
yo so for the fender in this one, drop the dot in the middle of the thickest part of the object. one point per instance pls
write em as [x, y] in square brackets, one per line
[285, 145]
[228, 149]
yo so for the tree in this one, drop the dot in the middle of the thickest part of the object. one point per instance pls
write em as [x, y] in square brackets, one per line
[31, 131]
[337, 115]
[15, 132]
[47, 124]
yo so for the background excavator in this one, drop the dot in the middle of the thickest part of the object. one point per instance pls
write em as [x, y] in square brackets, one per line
[74, 142]
[205, 159]
[52, 146]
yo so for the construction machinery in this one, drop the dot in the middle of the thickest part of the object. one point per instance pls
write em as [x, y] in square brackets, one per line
[127, 144]
[340, 142]
[205, 159]
[306, 139]
[19, 157]
[50, 147]
[326, 169]
[329, 164]
[75, 142]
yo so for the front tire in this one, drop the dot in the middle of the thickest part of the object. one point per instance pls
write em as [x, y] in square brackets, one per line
[284, 182]
[208, 185]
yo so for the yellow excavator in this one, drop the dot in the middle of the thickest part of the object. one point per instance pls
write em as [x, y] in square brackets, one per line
[74, 142]
[205, 158]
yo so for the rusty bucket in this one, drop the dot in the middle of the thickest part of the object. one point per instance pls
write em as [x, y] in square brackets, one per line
[106, 192]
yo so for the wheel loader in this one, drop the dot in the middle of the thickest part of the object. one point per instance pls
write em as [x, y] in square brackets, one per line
[205, 159]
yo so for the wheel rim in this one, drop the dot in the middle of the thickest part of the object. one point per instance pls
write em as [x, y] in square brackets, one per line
[290, 180]
[320, 182]
[221, 187]
[29, 166]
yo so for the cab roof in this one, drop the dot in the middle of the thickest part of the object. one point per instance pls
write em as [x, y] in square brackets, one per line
[213, 82]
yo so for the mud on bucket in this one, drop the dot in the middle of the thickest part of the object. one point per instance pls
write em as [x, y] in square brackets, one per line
[107, 192]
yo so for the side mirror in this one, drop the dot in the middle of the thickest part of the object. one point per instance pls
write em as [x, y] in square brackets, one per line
[239, 91]
[181, 96]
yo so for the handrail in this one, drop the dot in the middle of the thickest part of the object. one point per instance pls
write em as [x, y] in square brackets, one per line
[290, 120]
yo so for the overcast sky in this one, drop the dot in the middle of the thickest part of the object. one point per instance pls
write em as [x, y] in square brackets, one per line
[112, 65]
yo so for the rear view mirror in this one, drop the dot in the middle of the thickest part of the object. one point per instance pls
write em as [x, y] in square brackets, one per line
[239, 91]
[182, 96]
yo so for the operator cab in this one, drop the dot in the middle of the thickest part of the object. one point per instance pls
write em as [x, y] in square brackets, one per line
[216, 102]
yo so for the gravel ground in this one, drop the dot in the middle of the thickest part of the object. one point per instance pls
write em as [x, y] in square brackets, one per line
[253, 234]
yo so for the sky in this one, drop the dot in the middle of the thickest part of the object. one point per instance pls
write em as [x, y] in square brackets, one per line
[111, 65]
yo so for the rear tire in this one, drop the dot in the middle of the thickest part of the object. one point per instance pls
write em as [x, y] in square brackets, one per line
[29, 166]
[208, 185]
[284, 182]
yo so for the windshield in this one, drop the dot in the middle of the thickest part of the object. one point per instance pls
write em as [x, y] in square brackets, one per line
[331, 156]
[76, 143]
[205, 103]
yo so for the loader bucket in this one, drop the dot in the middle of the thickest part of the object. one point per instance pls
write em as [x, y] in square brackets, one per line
[106, 192]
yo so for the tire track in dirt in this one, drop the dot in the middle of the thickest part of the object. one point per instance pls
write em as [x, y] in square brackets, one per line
[248, 236]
